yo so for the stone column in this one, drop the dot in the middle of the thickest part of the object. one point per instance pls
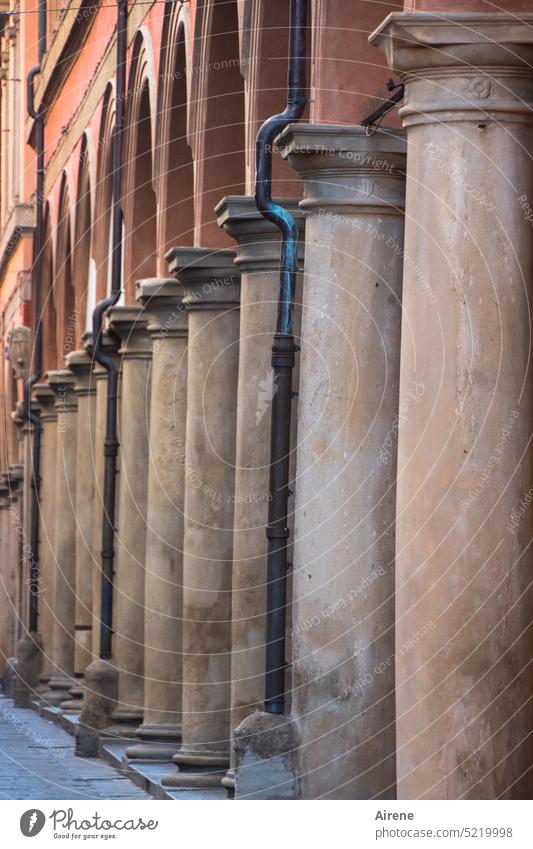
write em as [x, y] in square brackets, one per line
[130, 324]
[27, 507]
[15, 478]
[8, 584]
[257, 257]
[98, 380]
[47, 496]
[343, 574]
[464, 599]
[80, 364]
[209, 464]
[18, 420]
[163, 599]
[64, 579]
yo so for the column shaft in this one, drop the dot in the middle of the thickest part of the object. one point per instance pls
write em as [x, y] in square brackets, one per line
[163, 599]
[48, 413]
[464, 600]
[343, 573]
[257, 258]
[80, 364]
[209, 462]
[64, 579]
[128, 601]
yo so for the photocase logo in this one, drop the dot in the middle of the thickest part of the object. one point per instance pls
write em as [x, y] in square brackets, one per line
[32, 822]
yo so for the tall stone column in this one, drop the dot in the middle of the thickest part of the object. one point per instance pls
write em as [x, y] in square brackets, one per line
[209, 464]
[258, 258]
[163, 594]
[47, 497]
[80, 364]
[27, 430]
[15, 478]
[343, 573]
[9, 535]
[98, 380]
[464, 598]
[18, 420]
[135, 352]
[64, 578]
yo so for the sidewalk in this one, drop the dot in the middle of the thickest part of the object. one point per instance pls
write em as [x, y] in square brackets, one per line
[37, 762]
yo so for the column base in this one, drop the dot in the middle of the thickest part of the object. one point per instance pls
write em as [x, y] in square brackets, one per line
[59, 690]
[229, 780]
[127, 718]
[75, 702]
[158, 742]
[197, 769]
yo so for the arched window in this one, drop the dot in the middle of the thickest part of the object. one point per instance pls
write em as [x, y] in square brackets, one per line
[218, 96]
[66, 312]
[83, 268]
[139, 201]
[104, 196]
[175, 171]
[48, 304]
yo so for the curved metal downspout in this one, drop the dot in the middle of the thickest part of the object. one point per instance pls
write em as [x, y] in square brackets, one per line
[107, 362]
[38, 247]
[283, 351]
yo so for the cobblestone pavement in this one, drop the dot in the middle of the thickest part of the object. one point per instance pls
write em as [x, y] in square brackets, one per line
[37, 761]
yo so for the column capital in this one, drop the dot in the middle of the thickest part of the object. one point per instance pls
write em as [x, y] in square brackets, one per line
[46, 399]
[258, 240]
[345, 169]
[61, 382]
[130, 324]
[162, 301]
[80, 363]
[208, 275]
[472, 66]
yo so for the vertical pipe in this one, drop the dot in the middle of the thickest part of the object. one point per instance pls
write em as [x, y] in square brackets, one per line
[283, 351]
[38, 246]
[107, 362]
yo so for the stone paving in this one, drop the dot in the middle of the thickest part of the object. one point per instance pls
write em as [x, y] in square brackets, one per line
[37, 761]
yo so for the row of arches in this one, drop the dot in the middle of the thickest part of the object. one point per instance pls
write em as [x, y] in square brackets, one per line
[187, 117]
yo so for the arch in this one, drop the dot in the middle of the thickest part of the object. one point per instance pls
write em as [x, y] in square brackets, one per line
[82, 240]
[218, 120]
[139, 199]
[104, 193]
[49, 317]
[65, 296]
[174, 163]
[264, 63]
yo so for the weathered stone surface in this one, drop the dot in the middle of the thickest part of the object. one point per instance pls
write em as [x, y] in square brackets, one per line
[265, 747]
[28, 667]
[343, 576]
[129, 324]
[258, 260]
[64, 579]
[167, 326]
[464, 632]
[99, 703]
[48, 415]
[80, 364]
[212, 283]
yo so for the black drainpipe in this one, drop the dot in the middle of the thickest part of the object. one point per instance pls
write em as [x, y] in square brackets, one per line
[283, 351]
[38, 247]
[107, 362]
